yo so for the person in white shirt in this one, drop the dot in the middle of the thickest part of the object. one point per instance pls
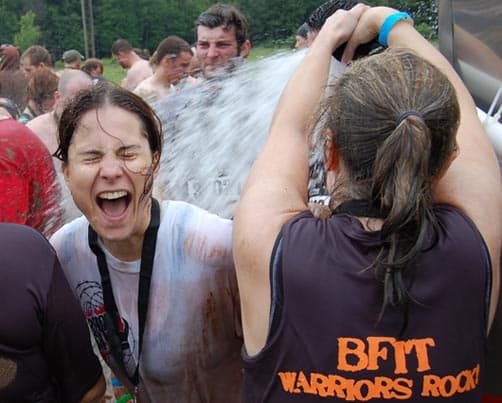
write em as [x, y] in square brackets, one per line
[175, 337]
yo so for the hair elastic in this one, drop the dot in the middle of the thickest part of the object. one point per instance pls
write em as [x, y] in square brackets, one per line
[404, 115]
[388, 24]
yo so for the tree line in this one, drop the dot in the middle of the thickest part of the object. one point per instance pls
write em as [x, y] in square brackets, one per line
[58, 24]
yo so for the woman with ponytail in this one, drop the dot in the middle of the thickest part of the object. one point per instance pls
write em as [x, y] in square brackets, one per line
[393, 295]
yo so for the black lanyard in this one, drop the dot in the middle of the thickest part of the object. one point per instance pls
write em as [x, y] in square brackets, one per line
[145, 275]
[359, 208]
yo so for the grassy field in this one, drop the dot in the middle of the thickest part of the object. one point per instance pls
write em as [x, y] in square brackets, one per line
[114, 73]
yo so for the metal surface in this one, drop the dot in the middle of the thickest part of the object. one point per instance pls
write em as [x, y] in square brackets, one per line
[470, 36]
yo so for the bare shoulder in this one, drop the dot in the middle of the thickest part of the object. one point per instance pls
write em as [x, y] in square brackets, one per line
[42, 124]
[145, 86]
[141, 67]
[137, 73]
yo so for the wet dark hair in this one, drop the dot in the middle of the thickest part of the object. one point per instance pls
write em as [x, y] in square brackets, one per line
[171, 46]
[392, 163]
[227, 16]
[319, 16]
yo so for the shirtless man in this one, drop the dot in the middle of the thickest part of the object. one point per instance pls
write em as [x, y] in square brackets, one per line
[222, 39]
[173, 62]
[45, 126]
[138, 68]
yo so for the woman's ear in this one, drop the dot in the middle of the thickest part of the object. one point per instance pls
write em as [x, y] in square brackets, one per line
[331, 153]
[446, 166]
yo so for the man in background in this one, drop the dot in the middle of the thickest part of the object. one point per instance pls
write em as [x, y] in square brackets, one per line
[33, 57]
[46, 126]
[172, 59]
[72, 59]
[138, 69]
[222, 39]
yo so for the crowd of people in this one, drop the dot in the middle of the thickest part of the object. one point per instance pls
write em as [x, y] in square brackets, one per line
[391, 294]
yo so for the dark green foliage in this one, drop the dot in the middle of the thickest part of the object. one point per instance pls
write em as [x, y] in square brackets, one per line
[145, 23]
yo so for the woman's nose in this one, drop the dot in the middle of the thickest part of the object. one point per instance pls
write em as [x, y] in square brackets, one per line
[111, 167]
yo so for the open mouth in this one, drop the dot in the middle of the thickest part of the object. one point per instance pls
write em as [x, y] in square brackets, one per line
[114, 204]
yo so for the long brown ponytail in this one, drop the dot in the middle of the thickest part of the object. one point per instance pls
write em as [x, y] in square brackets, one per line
[391, 159]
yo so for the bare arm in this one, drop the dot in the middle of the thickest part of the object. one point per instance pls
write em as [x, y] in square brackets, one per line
[276, 189]
[472, 183]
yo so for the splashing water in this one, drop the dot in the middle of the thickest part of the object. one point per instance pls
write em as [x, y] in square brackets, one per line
[214, 132]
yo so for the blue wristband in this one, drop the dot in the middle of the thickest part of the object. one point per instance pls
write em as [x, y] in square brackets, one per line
[388, 24]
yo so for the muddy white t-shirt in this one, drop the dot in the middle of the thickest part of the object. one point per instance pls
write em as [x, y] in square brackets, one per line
[192, 338]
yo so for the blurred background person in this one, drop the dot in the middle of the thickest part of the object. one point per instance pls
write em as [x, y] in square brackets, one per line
[172, 59]
[10, 57]
[138, 68]
[95, 68]
[33, 57]
[72, 59]
[301, 41]
[45, 126]
[41, 94]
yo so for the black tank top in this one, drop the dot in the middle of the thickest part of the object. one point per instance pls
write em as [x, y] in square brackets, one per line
[325, 340]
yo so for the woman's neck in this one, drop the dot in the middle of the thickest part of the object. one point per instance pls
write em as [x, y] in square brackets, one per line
[128, 250]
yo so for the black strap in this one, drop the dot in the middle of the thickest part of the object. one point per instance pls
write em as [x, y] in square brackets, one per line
[147, 256]
[359, 208]
[32, 112]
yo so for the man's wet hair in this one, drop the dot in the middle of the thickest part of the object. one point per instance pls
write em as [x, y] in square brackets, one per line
[226, 16]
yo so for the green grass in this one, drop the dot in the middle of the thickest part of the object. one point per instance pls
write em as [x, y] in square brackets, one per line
[113, 72]
[260, 52]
